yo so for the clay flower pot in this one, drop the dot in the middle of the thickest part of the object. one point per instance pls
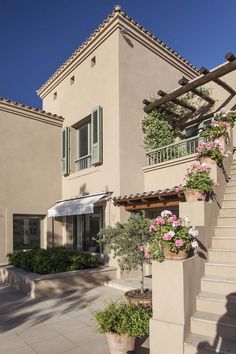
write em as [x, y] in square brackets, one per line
[208, 161]
[173, 255]
[120, 343]
[192, 195]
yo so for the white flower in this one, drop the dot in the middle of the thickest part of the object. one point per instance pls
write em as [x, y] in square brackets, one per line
[194, 244]
[165, 213]
[193, 232]
[171, 233]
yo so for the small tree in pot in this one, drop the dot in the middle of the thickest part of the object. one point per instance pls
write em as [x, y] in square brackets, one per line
[124, 241]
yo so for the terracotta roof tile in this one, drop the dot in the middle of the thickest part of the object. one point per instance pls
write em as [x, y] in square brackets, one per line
[116, 10]
[148, 194]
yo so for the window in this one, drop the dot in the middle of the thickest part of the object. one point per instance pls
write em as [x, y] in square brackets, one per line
[85, 228]
[26, 231]
[93, 61]
[84, 146]
[191, 131]
[72, 80]
[55, 96]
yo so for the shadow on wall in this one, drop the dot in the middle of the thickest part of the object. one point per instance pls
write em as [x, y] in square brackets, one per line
[225, 339]
[53, 239]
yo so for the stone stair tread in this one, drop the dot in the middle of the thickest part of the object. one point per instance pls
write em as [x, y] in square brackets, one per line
[217, 297]
[221, 264]
[224, 320]
[224, 237]
[216, 278]
[207, 343]
[222, 250]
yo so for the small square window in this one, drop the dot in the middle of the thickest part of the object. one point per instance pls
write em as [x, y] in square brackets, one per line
[55, 96]
[72, 80]
[93, 61]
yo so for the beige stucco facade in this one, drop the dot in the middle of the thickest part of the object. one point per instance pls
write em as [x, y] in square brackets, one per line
[30, 178]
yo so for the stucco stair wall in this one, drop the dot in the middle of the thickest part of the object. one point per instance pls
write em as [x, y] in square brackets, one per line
[213, 326]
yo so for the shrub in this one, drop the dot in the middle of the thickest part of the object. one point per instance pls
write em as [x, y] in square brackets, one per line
[53, 260]
[123, 318]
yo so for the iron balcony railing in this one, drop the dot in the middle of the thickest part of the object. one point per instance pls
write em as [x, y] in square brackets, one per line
[83, 162]
[174, 151]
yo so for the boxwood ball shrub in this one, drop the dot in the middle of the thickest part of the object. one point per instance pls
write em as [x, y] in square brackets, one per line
[53, 260]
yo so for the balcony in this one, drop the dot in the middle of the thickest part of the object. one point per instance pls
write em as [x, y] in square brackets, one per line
[83, 162]
[173, 151]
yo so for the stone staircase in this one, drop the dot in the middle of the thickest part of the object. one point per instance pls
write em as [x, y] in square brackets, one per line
[213, 326]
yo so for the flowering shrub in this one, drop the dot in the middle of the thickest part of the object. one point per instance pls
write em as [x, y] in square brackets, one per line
[167, 231]
[213, 149]
[226, 117]
[198, 177]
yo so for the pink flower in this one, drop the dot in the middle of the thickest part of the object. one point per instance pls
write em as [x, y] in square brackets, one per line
[179, 243]
[159, 221]
[194, 244]
[176, 223]
[142, 248]
[152, 228]
[167, 237]
[148, 255]
[216, 184]
[172, 218]
[177, 189]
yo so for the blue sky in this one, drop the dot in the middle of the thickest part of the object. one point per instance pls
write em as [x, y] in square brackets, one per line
[37, 36]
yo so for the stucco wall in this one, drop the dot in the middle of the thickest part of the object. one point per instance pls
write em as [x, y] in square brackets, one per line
[30, 171]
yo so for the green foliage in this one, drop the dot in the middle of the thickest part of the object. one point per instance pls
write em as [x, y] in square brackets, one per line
[198, 177]
[214, 132]
[53, 260]
[124, 241]
[158, 131]
[123, 318]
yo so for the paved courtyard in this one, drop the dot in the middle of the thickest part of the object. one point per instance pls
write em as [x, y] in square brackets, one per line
[60, 324]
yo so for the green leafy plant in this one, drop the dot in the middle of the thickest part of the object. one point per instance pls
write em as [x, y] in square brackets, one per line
[53, 260]
[212, 149]
[214, 132]
[122, 317]
[169, 232]
[124, 240]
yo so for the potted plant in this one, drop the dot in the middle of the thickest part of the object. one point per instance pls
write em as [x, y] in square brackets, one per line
[227, 117]
[124, 241]
[198, 185]
[170, 238]
[212, 150]
[122, 322]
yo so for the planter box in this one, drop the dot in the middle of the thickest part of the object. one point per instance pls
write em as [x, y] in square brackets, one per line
[37, 285]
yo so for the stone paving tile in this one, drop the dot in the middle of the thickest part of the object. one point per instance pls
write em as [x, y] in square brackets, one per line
[54, 345]
[10, 343]
[66, 326]
[22, 350]
[84, 336]
[35, 335]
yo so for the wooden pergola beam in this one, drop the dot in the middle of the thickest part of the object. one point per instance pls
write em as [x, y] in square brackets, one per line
[184, 82]
[199, 81]
[218, 81]
[152, 205]
[178, 102]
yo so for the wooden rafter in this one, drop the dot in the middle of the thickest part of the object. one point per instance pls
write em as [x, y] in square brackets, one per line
[178, 102]
[219, 82]
[195, 83]
[184, 82]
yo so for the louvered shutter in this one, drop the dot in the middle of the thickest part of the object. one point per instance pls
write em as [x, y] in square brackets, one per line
[96, 136]
[66, 151]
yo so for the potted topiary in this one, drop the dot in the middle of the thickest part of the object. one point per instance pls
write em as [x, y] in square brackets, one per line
[170, 238]
[122, 322]
[198, 183]
[124, 241]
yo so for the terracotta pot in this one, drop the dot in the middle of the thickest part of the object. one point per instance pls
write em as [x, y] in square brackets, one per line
[144, 302]
[120, 343]
[173, 255]
[192, 195]
[208, 161]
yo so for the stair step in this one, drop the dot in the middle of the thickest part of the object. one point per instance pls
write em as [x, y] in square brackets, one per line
[213, 325]
[227, 270]
[231, 183]
[228, 243]
[225, 231]
[200, 344]
[228, 212]
[219, 304]
[222, 255]
[229, 196]
[228, 204]
[230, 189]
[226, 220]
[218, 285]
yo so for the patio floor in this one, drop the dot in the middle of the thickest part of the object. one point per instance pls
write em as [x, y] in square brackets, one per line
[55, 325]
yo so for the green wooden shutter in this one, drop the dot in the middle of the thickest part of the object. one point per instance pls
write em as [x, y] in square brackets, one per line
[96, 136]
[66, 151]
